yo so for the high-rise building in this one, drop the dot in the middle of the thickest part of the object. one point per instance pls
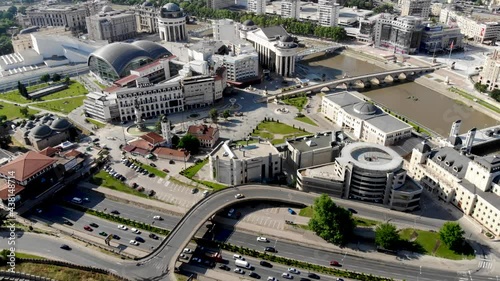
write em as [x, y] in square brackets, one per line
[225, 29]
[257, 6]
[401, 35]
[290, 9]
[416, 8]
[328, 12]
[146, 16]
[490, 75]
[111, 25]
[172, 23]
[219, 4]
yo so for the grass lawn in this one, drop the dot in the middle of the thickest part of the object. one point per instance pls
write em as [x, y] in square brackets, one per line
[74, 89]
[298, 102]
[191, 171]
[104, 179]
[60, 273]
[12, 111]
[151, 170]
[64, 106]
[270, 130]
[307, 120]
[364, 222]
[428, 241]
[213, 185]
[99, 124]
[306, 212]
[472, 98]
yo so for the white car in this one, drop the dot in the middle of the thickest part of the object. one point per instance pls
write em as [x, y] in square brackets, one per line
[133, 242]
[122, 227]
[205, 193]
[239, 270]
[183, 257]
[239, 195]
[187, 251]
[287, 275]
[135, 230]
[293, 270]
[262, 239]
[270, 278]
[157, 218]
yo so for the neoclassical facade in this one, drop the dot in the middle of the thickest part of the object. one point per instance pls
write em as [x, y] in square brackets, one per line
[276, 48]
[172, 23]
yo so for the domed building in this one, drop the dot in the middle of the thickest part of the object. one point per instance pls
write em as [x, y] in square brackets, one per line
[47, 131]
[362, 120]
[172, 23]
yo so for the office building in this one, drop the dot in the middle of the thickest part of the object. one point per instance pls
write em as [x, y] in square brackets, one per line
[240, 68]
[276, 48]
[146, 16]
[172, 23]
[111, 25]
[416, 8]
[102, 107]
[366, 172]
[470, 183]
[482, 28]
[256, 6]
[200, 91]
[237, 164]
[72, 17]
[220, 4]
[290, 9]
[490, 75]
[328, 12]
[401, 35]
[439, 38]
[363, 120]
[225, 30]
[207, 135]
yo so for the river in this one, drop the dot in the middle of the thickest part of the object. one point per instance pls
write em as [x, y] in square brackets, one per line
[428, 107]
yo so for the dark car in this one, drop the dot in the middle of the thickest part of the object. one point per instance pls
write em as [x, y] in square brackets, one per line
[313, 275]
[266, 264]
[88, 228]
[95, 140]
[270, 249]
[134, 185]
[171, 162]
[67, 222]
[94, 225]
[153, 236]
[115, 212]
[116, 237]
[224, 267]
[139, 239]
[194, 190]
[151, 193]
[151, 175]
[152, 165]
[65, 247]
[352, 210]
[254, 275]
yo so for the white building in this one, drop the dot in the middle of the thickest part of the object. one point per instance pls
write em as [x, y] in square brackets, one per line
[200, 91]
[362, 120]
[470, 183]
[225, 30]
[219, 4]
[237, 164]
[101, 106]
[416, 8]
[240, 68]
[328, 12]
[146, 16]
[490, 75]
[290, 9]
[479, 29]
[172, 23]
[276, 48]
[256, 6]
[70, 16]
[111, 25]
[24, 41]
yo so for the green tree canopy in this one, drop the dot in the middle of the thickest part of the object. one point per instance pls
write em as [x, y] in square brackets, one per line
[226, 114]
[56, 77]
[175, 141]
[386, 236]
[452, 235]
[331, 222]
[22, 10]
[24, 111]
[190, 143]
[495, 94]
[45, 78]
[213, 114]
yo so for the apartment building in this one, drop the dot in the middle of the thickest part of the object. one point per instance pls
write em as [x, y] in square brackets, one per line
[219, 4]
[401, 35]
[101, 107]
[200, 91]
[256, 6]
[72, 17]
[490, 75]
[290, 9]
[328, 12]
[416, 8]
[480, 28]
[112, 25]
[146, 16]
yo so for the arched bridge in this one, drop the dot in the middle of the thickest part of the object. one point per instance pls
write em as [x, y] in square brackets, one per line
[366, 79]
[160, 264]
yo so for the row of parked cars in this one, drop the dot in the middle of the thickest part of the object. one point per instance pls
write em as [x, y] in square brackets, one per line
[113, 173]
[137, 168]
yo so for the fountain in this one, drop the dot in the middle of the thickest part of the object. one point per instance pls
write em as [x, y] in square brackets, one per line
[233, 102]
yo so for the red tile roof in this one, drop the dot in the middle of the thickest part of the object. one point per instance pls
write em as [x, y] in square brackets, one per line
[153, 138]
[73, 153]
[165, 151]
[26, 165]
[49, 151]
[4, 190]
[125, 80]
[202, 131]
[140, 144]
[112, 89]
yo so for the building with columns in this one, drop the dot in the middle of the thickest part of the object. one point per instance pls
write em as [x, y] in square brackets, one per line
[111, 25]
[172, 23]
[276, 48]
[290, 9]
[257, 6]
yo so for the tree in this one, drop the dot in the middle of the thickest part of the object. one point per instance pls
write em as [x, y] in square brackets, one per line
[495, 94]
[22, 10]
[66, 79]
[330, 222]
[24, 111]
[190, 143]
[22, 90]
[5, 141]
[384, 8]
[175, 141]
[213, 114]
[226, 114]
[56, 77]
[480, 87]
[386, 236]
[12, 10]
[452, 235]
[45, 78]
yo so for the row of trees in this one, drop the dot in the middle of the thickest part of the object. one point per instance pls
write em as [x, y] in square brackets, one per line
[495, 94]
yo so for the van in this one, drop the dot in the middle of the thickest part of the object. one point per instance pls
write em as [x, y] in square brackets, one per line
[238, 257]
[77, 200]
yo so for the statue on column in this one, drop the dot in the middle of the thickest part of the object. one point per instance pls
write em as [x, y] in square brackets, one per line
[139, 122]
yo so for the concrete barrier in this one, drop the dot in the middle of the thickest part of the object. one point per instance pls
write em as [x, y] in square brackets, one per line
[8, 275]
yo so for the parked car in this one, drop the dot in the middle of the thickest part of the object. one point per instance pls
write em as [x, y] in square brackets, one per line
[171, 162]
[94, 225]
[183, 257]
[67, 222]
[166, 170]
[65, 247]
[88, 228]
[133, 242]
[151, 193]
[194, 190]
[153, 236]
[291, 211]
[151, 175]
[206, 193]
[152, 165]
[187, 251]
[140, 189]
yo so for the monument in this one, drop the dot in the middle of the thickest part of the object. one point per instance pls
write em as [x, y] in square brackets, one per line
[139, 122]
[166, 131]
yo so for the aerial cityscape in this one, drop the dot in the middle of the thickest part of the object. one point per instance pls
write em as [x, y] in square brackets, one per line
[225, 140]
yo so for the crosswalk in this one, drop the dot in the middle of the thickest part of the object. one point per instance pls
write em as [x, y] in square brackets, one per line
[484, 263]
[463, 276]
[257, 219]
[174, 194]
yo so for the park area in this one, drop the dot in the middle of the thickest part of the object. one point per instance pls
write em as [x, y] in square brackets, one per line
[277, 132]
[12, 111]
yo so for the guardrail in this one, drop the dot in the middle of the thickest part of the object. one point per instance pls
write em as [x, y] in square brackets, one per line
[9, 275]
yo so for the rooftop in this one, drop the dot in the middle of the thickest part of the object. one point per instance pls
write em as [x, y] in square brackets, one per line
[451, 160]
[313, 142]
[485, 135]
[371, 156]
[26, 166]
[323, 172]
[244, 152]
[152, 138]
[409, 186]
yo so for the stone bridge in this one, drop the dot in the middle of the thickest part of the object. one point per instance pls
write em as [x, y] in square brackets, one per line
[363, 80]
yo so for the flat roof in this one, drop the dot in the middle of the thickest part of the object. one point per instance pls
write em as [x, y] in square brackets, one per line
[409, 186]
[371, 156]
[312, 142]
[482, 137]
[242, 152]
[323, 172]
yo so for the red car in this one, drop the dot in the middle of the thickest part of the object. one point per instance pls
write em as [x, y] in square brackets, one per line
[88, 228]
[334, 263]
